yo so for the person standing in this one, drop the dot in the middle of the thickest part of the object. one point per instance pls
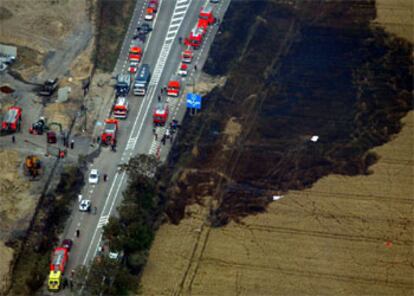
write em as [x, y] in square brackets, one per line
[13, 139]
[72, 144]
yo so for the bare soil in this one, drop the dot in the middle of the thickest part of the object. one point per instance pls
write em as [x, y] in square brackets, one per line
[17, 205]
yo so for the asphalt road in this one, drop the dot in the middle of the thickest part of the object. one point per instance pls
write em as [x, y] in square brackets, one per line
[162, 52]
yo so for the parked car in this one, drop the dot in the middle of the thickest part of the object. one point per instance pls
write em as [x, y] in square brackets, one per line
[94, 176]
[85, 205]
[67, 243]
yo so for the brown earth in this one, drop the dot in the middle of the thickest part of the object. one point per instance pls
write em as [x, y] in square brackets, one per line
[397, 17]
[17, 205]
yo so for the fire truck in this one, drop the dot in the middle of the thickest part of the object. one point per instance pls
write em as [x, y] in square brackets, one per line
[121, 108]
[195, 38]
[57, 267]
[187, 56]
[108, 136]
[160, 115]
[135, 54]
[173, 88]
[12, 120]
[206, 17]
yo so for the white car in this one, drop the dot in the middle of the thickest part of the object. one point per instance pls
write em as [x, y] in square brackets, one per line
[94, 176]
[85, 205]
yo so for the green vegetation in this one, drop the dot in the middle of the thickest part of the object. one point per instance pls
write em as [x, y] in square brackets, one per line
[131, 233]
[112, 22]
[32, 265]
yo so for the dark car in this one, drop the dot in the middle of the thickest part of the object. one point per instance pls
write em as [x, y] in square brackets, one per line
[67, 243]
[144, 28]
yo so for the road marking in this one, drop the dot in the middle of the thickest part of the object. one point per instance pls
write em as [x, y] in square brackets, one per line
[103, 220]
[130, 143]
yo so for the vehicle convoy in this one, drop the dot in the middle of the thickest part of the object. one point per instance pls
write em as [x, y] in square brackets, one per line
[187, 56]
[121, 108]
[108, 136]
[160, 115]
[12, 120]
[49, 87]
[142, 80]
[123, 84]
[58, 263]
[173, 88]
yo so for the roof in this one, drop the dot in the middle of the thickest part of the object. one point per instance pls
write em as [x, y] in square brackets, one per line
[196, 31]
[160, 109]
[11, 115]
[174, 84]
[136, 49]
[123, 78]
[110, 128]
[58, 256]
[121, 101]
[207, 9]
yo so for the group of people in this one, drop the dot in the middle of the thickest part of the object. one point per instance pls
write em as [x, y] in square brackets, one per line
[170, 131]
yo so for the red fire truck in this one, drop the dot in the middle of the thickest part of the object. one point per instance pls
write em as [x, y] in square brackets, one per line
[160, 115]
[12, 120]
[57, 267]
[108, 136]
[206, 15]
[121, 108]
[173, 88]
[195, 38]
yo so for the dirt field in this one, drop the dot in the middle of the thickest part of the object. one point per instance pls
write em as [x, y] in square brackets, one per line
[396, 16]
[49, 33]
[17, 204]
[346, 235]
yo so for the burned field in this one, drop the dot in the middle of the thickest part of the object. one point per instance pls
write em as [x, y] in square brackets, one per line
[295, 74]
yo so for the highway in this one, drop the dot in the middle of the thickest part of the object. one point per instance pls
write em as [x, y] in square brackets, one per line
[175, 18]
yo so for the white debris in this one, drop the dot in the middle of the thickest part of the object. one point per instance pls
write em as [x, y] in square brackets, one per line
[314, 138]
[277, 197]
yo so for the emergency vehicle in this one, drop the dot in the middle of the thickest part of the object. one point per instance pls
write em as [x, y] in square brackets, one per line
[12, 119]
[183, 70]
[206, 17]
[135, 54]
[108, 136]
[187, 56]
[173, 88]
[153, 4]
[57, 267]
[160, 115]
[195, 38]
[149, 15]
[121, 108]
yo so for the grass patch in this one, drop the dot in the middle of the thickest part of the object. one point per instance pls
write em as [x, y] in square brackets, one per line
[112, 22]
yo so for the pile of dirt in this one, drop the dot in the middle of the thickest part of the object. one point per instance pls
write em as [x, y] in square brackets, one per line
[61, 113]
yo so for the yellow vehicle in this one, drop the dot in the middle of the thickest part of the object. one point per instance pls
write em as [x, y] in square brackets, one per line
[54, 281]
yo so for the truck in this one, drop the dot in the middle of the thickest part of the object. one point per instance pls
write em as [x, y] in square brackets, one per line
[48, 87]
[142, 80]
[195, 38]
[206, 17]
[57, 267]
[12, 120]
[108, 136]
[123, 83]
[173, 88]
[187, 56]
[153, 4]
[121, 108]
[160, 115]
